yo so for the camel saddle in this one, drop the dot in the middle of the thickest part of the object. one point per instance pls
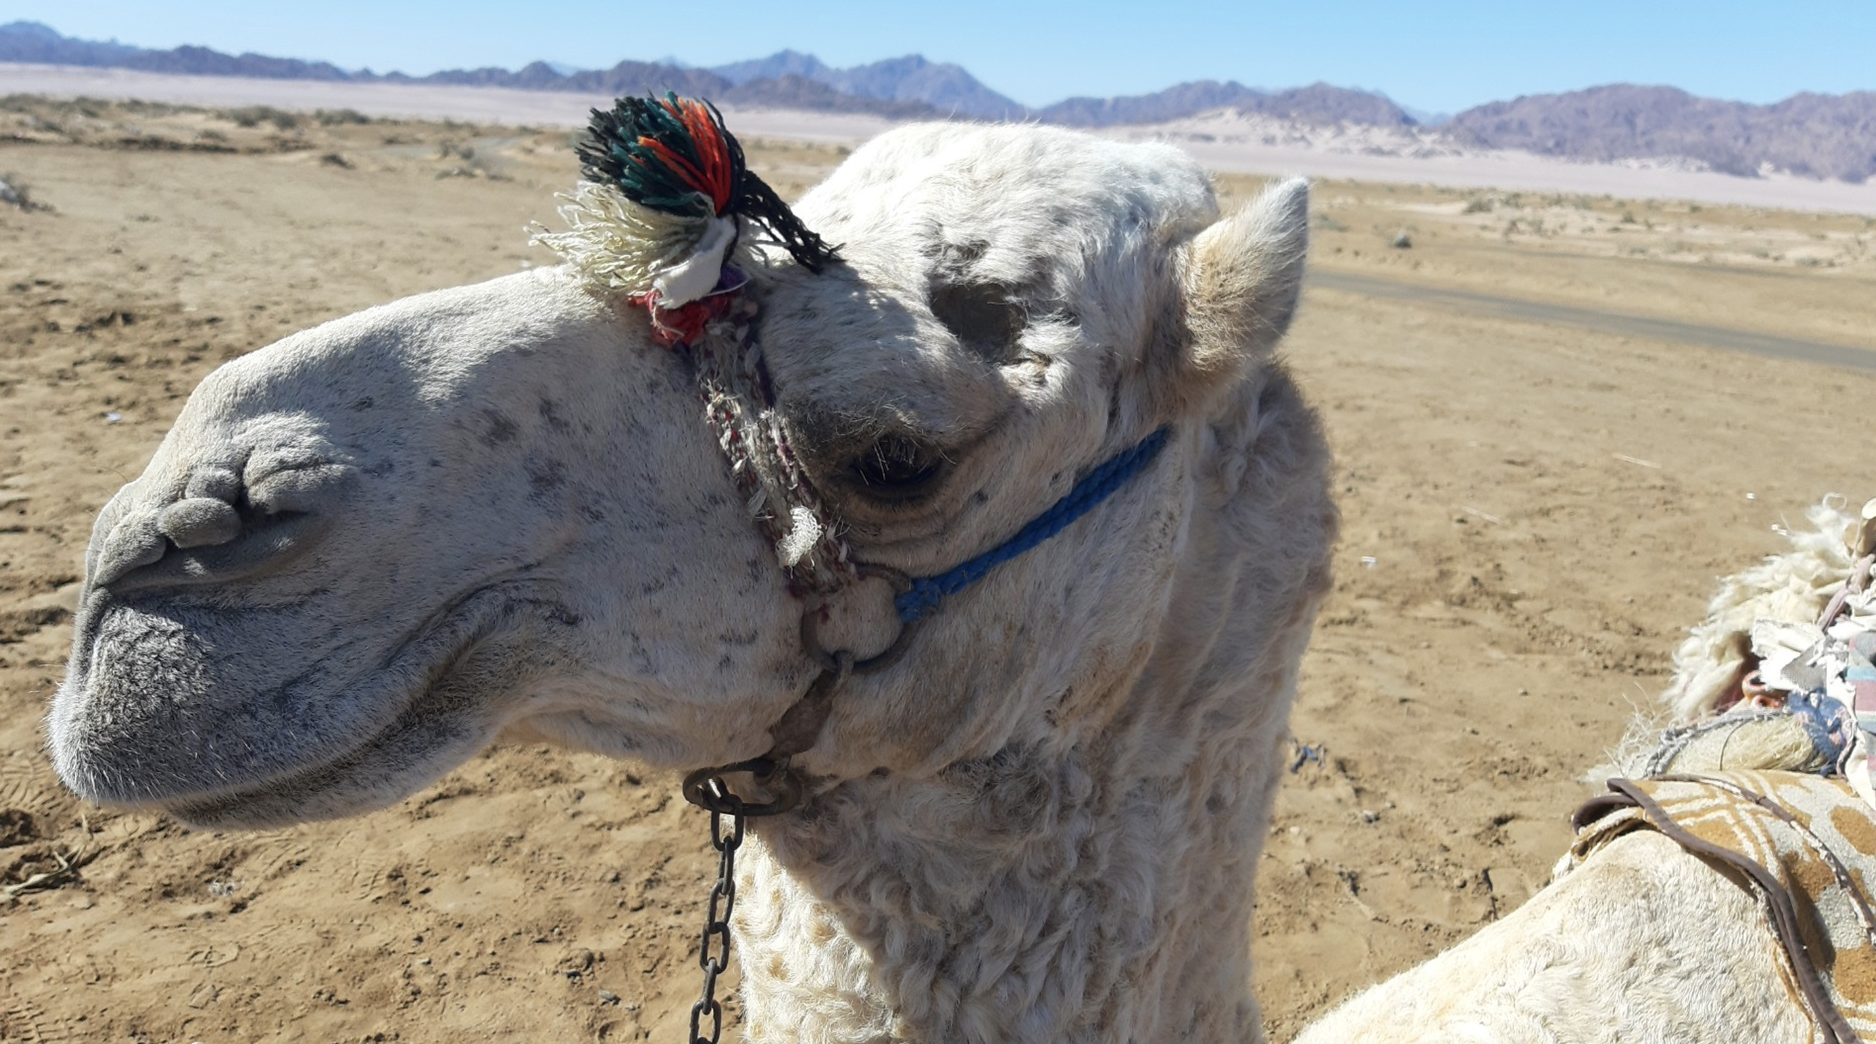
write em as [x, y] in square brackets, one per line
[1806, 844]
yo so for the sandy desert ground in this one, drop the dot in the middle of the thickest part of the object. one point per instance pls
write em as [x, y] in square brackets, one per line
[1544, 462]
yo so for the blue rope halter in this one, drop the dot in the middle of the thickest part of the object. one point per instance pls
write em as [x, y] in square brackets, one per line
[926, 592]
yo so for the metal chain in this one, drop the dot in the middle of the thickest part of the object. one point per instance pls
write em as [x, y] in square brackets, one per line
[713, 952]
[778, 789]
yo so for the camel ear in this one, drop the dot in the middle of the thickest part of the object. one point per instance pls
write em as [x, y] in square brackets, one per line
[1240, 284]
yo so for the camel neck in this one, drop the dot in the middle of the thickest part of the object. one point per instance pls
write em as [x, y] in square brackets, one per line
[1091, 880]
[1072, 894]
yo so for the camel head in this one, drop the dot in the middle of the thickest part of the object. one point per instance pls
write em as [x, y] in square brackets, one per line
[364, 551]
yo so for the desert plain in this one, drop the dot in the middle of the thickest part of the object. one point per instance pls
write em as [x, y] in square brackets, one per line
[1557, 417]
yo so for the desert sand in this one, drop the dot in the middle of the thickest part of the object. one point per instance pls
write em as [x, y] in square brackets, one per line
[1536, 505]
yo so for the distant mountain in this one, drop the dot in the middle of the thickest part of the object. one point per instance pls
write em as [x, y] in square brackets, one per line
[907, 87]
[1426, 117]
[942, 85]
[534, 75]
[947, 88]
[201, 61]
[1184, 99]
[38, 30]
[1317, 103]
[799, 92]
[1815, 135]
[785, 91]
[775, 66]
[33, 42]
[627, 77]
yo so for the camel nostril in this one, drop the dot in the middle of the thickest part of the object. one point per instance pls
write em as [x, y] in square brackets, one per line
[216, 482]
[227, 527]
[199, 522]
[130, 545]
[300, 489]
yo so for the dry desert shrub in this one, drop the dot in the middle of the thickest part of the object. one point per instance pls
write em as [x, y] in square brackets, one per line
[15, 193]
[337, 117]
[255, 115]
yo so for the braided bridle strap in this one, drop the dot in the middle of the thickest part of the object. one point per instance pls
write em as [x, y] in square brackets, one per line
[666, 198]
[739, 406]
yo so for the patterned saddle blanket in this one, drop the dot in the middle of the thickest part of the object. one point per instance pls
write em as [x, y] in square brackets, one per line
[1805, 843]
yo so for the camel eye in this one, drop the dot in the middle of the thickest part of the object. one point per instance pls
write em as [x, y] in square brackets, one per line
[897, 468]
[986, 318]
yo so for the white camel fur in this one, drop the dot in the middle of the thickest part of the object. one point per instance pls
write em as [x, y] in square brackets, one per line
[364, 551]
[1643, 942]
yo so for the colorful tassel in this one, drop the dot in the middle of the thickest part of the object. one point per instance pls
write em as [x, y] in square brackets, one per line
[675, 156]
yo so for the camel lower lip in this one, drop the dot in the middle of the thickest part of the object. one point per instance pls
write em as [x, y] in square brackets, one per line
[421, 738]
[410, 678]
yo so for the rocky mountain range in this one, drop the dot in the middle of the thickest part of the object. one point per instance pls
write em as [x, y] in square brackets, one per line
[945, 87]
[908, 87]
[33, 42]
[1811, 135]
[1317, 103]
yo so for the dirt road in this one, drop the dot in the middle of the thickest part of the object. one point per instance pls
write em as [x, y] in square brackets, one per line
[1470, 302]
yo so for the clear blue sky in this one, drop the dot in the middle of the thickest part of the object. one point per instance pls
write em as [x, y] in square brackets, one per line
[1437, 55]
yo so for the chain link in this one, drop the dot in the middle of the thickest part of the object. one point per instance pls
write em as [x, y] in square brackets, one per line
[713, 952]
[778, 789]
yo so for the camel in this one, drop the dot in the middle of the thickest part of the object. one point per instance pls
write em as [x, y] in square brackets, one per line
[363, 552]
[1640, 938]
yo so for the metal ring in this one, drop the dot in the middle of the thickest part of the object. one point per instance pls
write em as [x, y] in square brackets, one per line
[901, 582]
[811, 634]
[829, 660]
[898, 578]
[880, 661]
[724, 801]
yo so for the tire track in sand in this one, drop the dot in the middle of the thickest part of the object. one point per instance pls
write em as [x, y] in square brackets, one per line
[1618, 323]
